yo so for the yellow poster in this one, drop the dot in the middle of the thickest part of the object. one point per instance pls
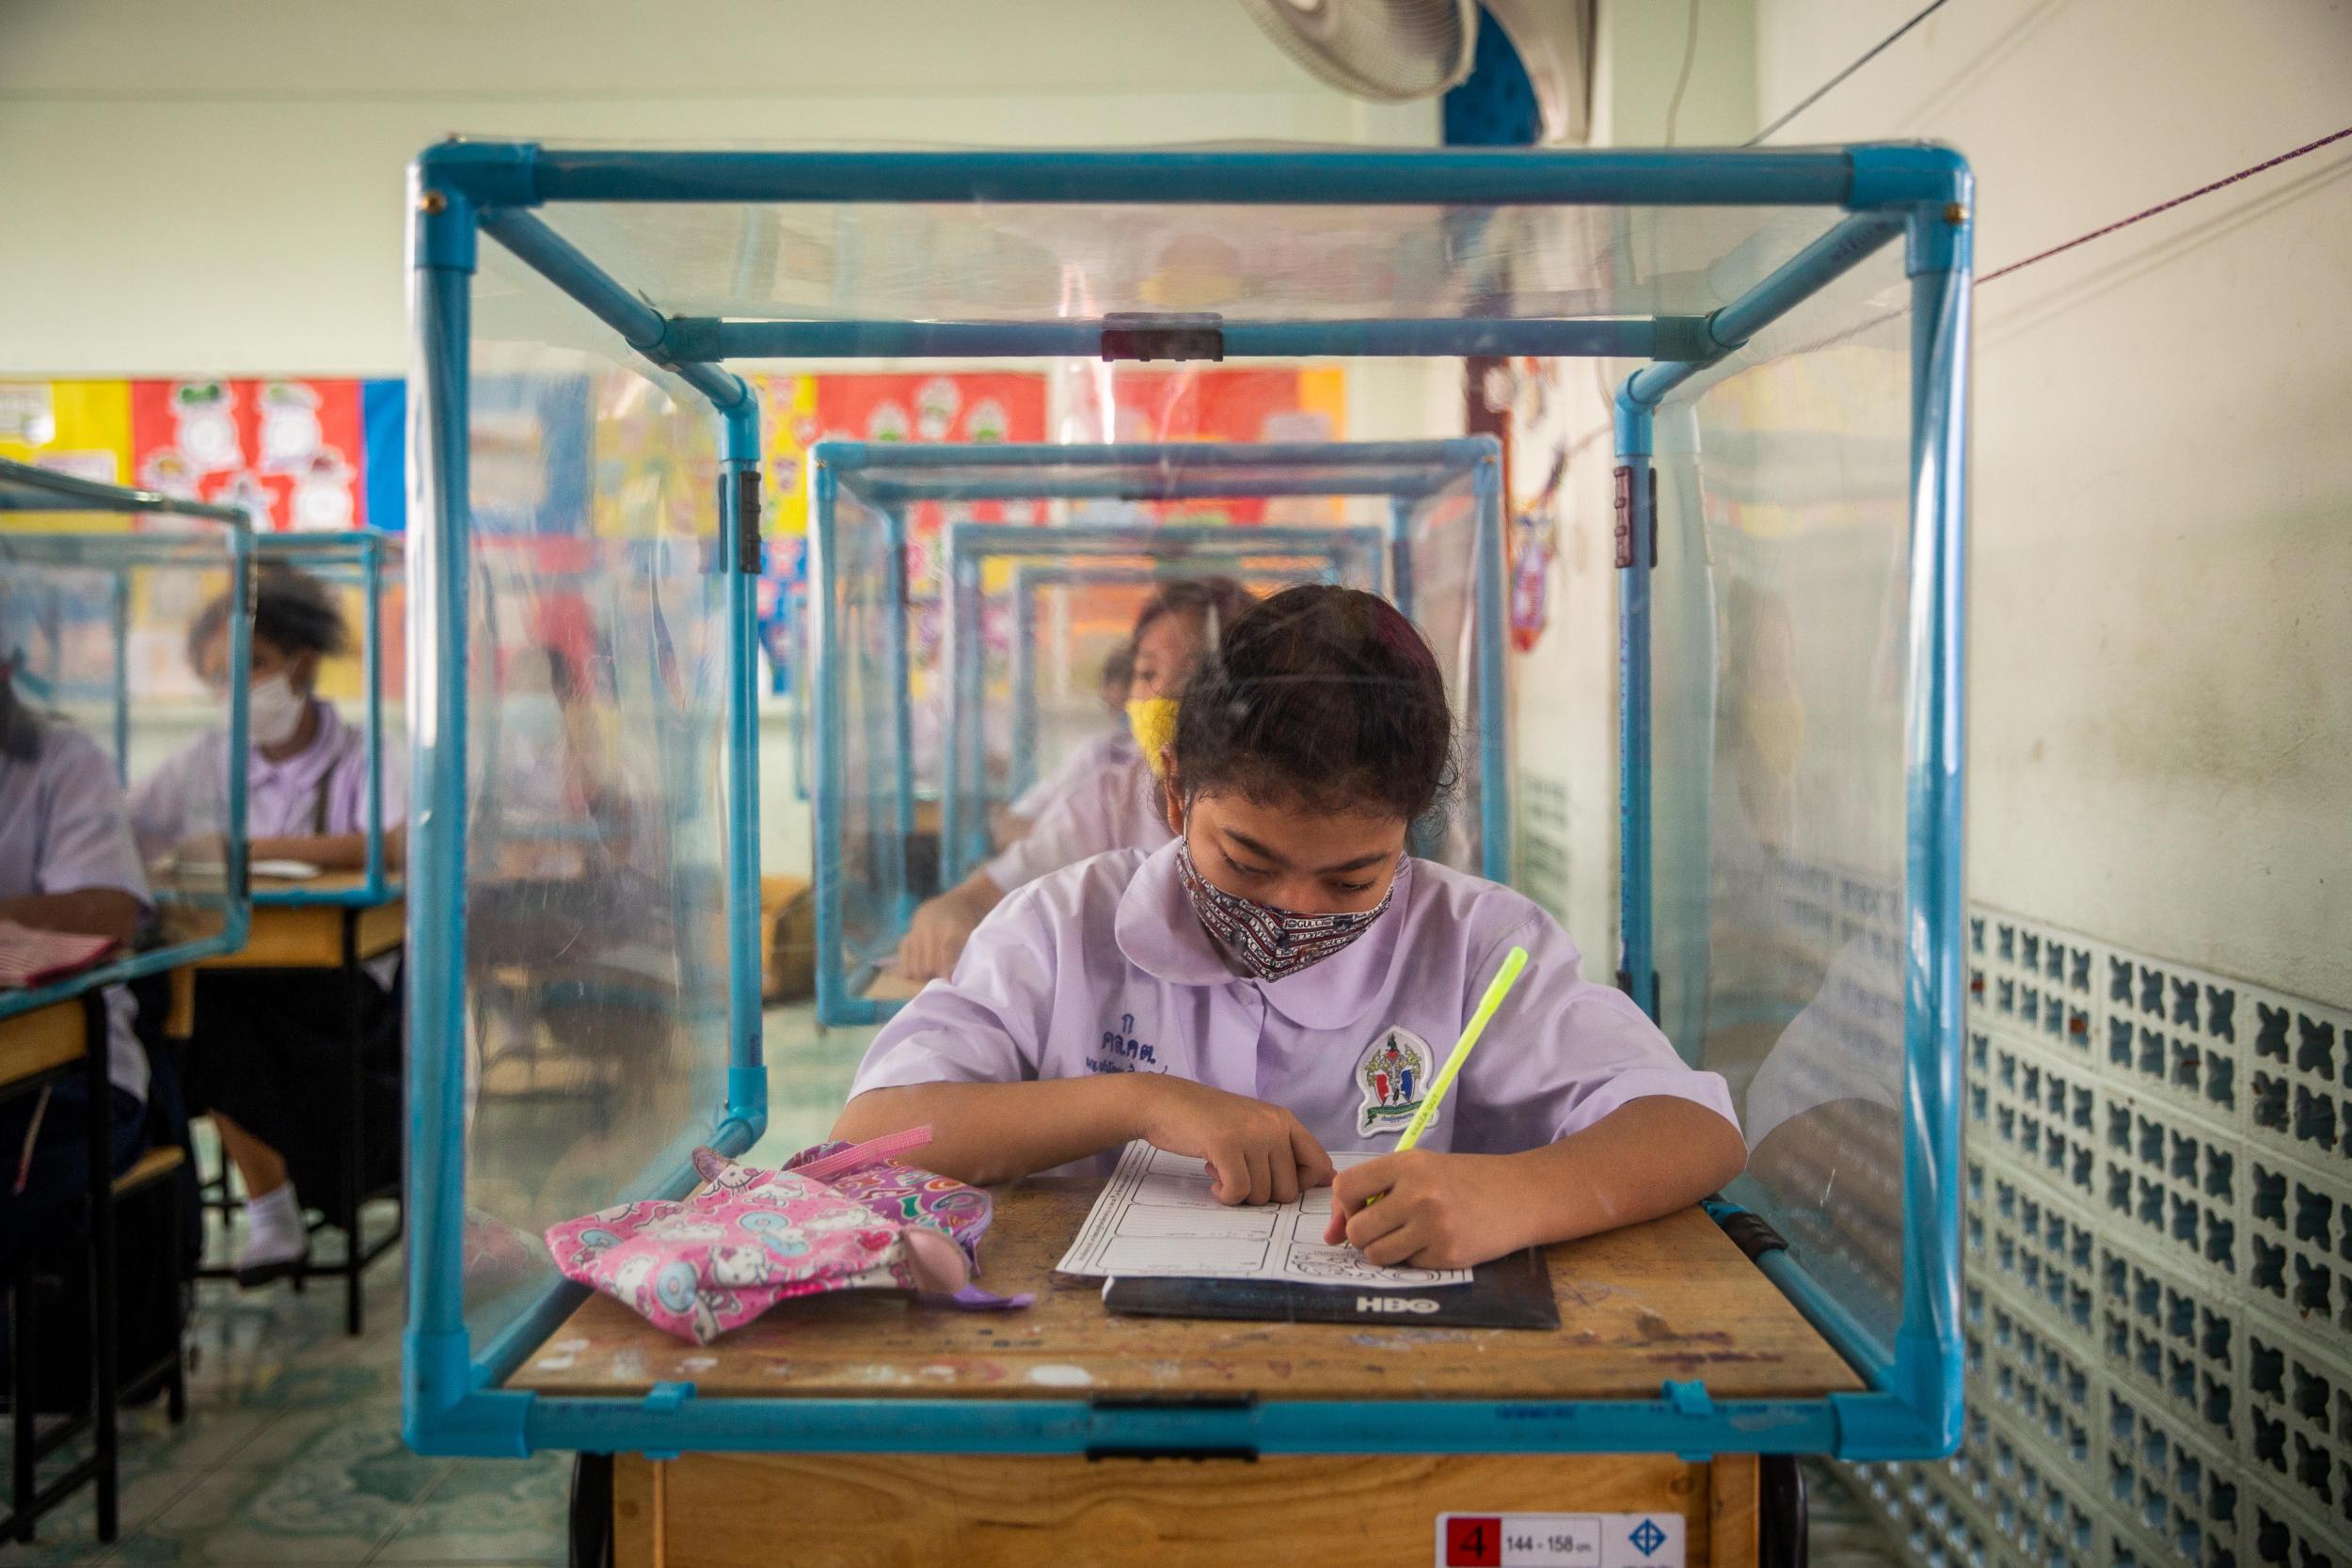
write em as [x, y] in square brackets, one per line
[788, 412]
[82, 428]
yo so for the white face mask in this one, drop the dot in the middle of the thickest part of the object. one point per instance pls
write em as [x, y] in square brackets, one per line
[273, 711]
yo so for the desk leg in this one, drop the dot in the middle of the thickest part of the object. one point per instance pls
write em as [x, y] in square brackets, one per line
[1731, 1507]
[355, 1147]
[103, 1270]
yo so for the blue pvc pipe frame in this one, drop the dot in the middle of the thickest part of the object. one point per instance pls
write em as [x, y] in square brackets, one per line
[24, 488]
[1913, 1405]
[358, 557]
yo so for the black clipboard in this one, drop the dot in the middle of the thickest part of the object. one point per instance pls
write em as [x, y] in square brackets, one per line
[1509, 1292]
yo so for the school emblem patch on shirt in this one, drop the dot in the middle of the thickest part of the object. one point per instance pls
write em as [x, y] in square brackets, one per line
[1393, 1075]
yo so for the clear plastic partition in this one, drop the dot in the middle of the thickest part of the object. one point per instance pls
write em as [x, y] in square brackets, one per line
[1263, 262]
[873, 713]
[586, 946]
[995, 751]
[119, 652]
[595, 945]
[1782, 625]
[365, 574]
[1065, 629]
[973, 676]
[1453, 584]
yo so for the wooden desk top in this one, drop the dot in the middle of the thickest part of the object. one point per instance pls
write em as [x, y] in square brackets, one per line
[326, 881]
[309, 936]
[43, 1040]
[1670, 1299]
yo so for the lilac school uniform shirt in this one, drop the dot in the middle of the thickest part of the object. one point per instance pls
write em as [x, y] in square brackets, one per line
[63, 830]
[1110, 749]
[1117, 807]
[1104, 968]
[322, 789]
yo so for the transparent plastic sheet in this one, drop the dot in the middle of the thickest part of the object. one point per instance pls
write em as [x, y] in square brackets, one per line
[1002, 631]
[1780, 643]
[797, 274]
[884, 836]
[103, 627]
[1067, 643]
[367, 576]
[1008, 261]
[1000, 745]
[1455, 597]
[595, 960]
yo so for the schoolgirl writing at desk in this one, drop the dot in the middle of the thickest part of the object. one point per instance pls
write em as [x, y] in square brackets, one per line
[1277, 981]
[262, 1054]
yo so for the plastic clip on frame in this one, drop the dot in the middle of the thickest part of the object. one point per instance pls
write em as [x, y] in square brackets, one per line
[1853, 201]
[28, 490]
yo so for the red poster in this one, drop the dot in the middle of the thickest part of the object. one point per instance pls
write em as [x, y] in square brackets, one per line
[998, 405]
[289, 452]
[1206, 403]
[990, 406]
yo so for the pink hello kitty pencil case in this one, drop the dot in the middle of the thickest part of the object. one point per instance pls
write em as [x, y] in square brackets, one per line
[837, 1218]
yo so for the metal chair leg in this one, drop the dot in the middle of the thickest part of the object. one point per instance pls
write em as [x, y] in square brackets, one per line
[104, 1274]
[355, 1147]
[1782, 1525]
[25, 1401]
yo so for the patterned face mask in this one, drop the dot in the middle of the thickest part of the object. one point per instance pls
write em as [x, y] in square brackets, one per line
[1272, 942]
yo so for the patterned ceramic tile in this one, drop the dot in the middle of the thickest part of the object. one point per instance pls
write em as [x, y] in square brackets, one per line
[339, 1499]
[504, 1512]
[71, 1535]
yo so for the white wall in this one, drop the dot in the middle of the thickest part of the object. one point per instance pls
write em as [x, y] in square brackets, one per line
[216, 188]
[2160, 659]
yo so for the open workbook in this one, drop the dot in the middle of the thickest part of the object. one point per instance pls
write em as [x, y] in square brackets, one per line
[1157, 1216]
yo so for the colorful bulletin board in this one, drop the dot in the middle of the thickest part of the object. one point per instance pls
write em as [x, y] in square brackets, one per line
[801, 410]
[297, 454]
[309, 455]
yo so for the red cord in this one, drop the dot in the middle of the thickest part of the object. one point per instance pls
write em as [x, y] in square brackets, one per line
[2166, 206]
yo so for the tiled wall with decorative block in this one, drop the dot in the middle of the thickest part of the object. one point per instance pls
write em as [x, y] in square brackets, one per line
[2157, 1215]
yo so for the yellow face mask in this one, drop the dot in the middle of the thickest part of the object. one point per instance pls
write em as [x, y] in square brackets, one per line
[1153, 721]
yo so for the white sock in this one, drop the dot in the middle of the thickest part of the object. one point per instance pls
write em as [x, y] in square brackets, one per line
[274, 1228]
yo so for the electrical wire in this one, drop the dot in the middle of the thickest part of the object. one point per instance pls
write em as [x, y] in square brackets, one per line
[1818, 93]
[1682, 82]
[1880, 318]
[2167, 206]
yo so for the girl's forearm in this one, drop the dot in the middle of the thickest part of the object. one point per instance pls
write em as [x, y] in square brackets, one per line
[988, 1132]
[1648, 1157]
[94, 911]
[327, 851]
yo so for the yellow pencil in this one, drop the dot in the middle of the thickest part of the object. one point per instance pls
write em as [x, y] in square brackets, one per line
[1499, 988]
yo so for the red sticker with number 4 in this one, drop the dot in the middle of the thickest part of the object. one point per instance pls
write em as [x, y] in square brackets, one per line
[1473, 1541]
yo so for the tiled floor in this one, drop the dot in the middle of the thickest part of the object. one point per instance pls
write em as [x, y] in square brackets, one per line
[292, 1454]
[292, 1451]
